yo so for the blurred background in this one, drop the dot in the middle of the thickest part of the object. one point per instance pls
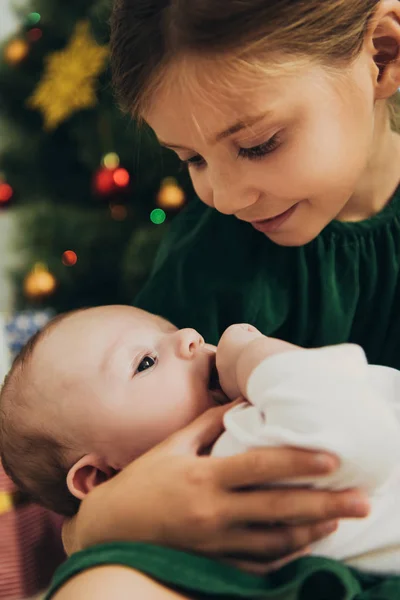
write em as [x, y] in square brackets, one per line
[84, 201]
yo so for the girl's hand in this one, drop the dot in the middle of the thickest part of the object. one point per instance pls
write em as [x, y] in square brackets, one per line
[175, 497]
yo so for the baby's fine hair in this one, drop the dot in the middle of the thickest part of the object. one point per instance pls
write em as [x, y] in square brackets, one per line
[148, 36]
[31, 456]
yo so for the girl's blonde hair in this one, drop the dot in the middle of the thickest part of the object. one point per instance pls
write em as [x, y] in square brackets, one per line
[150, 35]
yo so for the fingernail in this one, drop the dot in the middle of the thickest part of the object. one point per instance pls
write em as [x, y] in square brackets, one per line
[324, 462]
[359, 506]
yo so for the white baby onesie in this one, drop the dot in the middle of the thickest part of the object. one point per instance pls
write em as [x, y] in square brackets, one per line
[330, 399]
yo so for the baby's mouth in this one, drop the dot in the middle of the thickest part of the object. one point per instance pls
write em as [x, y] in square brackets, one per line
[214, 385]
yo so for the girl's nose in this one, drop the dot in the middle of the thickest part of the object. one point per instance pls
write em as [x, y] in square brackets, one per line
[233, 202]
[232, 187]
[188, 343]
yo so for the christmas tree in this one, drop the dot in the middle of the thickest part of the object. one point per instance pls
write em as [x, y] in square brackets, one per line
[92, 193]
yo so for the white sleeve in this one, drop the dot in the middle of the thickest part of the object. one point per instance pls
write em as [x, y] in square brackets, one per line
[319, 400]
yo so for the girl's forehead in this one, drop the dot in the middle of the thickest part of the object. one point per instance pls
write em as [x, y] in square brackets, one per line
[207, 99]
[203, 101]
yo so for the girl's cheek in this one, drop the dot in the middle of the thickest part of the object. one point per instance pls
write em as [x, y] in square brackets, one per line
[203, 191]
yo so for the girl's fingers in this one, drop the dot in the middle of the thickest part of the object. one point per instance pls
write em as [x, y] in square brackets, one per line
[200, 434]
[264, 567]
[272, 543]
[294, 505]
[270, 465]
[69, 537]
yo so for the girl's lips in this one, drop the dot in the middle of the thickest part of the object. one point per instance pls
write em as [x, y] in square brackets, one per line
[270, 225]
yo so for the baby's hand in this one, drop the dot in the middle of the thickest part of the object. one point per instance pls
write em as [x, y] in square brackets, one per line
[233, 341]
[240, 350]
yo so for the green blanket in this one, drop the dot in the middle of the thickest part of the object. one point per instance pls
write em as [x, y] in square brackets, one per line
[310, 578]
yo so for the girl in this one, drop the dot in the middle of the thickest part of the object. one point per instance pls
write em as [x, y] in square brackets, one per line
[282, 112]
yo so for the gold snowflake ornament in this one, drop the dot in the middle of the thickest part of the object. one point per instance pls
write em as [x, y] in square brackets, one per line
[68, 83]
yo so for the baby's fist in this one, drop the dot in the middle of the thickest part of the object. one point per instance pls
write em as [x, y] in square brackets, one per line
[233, 341]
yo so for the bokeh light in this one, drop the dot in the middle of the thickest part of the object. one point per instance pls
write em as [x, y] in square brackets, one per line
[34, 18]
[16, 51]
[111, 160]
[39, 283]
[171, 196]
[34, 35]
[157, 216]
[119, 212]
[121, 177]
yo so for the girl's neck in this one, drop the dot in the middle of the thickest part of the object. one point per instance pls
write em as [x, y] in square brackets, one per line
[381, 176]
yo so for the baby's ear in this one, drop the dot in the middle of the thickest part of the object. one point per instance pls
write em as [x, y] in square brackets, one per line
[86, 474]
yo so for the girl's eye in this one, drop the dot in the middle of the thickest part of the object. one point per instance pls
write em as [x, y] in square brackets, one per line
[195, 161]
[146, 363]
[261, 150]
[257, 152]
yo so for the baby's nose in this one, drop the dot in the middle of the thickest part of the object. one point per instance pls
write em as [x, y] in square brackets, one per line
[189, 342]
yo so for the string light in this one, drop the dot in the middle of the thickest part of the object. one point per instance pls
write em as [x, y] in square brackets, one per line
[111, 160]
[108, 181]
[33, 18]
[171, 196]
[34, 35]
[121, 177]
[16, 51]
[157, 216]
[69, 258]
[119, 212]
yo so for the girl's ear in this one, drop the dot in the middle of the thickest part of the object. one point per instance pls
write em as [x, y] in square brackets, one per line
[385, 37]
[86, 474]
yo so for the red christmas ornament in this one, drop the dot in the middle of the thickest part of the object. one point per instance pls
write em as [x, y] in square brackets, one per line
[69, 258]
[6, 193]
[103, 182]
[110, 181]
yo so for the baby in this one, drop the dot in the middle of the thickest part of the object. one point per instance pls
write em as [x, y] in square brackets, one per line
[99, 387]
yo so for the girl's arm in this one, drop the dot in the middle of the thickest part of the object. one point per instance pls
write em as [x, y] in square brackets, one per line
[109, 582]
[171, 496]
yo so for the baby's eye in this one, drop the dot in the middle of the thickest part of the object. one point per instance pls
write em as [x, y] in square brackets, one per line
[146, 363]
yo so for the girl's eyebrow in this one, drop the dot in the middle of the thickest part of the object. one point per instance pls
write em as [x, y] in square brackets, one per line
[238, 126]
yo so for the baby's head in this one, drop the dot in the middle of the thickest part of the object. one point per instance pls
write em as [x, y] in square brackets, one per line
[94, 390]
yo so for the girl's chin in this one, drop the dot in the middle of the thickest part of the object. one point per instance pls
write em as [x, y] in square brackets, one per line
[293, 239]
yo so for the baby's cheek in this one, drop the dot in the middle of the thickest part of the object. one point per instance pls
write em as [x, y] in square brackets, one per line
[187, 407]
